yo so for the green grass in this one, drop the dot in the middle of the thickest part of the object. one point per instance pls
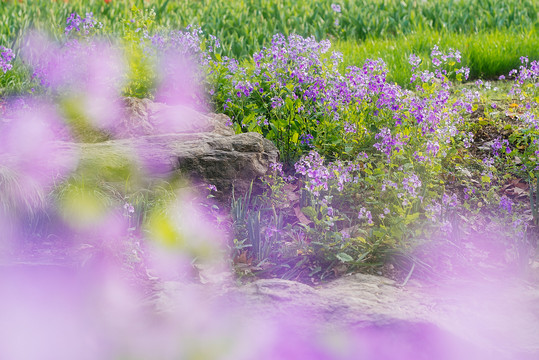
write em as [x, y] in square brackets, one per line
[492, 34]
[487, 54]
[246, 25]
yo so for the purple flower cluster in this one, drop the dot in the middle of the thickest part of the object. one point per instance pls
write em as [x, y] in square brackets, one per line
[129, 208]
[437, 212]
[411, 184]
[6, 56]
[498, 144]
[80, 25]
[365, 214]
[440, 75]
[414, 60]
[467, 139]
[349, 128]
[434, 211]
[320, 177]
[277, 102]
[388, 142]
[529, 119]
[527, 71]
[312, 167]
[307, 140]
[336, 8]
[468, 192]
[506, 204]
[188, 43]
[450, 201]
[294, 57]
[295, 68]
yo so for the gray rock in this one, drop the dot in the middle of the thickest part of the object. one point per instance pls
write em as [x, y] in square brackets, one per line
[157, 140]
[143, 117]
[460, 320]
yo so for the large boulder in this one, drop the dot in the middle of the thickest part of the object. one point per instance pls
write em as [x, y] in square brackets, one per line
[164, 141]
[452, 320]
[143, 117]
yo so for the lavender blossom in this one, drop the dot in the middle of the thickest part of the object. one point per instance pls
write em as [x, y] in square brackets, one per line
[6, 56]
[336, 8]
[506, 204]
[74, 23]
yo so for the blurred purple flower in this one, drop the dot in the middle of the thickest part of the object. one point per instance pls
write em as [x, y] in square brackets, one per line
[74, 22]
[29, 151]
[506, 204]
[336, 8]
[180, 82]
[73, 70]
[414, 60]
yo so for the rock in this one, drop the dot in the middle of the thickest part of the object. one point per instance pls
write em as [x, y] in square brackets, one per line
[158, 140]
[143, 117]
[459, 320]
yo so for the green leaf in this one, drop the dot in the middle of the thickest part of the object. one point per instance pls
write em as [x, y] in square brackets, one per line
[410, 218]
[310, 212]
[344, 257]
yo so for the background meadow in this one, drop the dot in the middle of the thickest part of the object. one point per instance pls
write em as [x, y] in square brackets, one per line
[491, 40]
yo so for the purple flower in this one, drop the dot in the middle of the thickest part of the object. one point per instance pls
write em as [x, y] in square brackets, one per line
[506, 204]
[450, 201]
[330, 211]
[225, 105]
[468, 192]
[365, 214]
[129, 208]
[465, 71]
[411, 184]
[498, 144]
[414, 60]
[336, 8]
[277, 102]
[74, 22]
[306, 139]
[388, 143]
[350, 128]
[6, 56]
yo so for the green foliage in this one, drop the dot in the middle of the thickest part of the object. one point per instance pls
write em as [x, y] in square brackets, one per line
[388, 29]
[141, 76]
[488, 54]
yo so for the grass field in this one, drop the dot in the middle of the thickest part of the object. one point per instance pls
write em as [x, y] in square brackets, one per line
[491, 41]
